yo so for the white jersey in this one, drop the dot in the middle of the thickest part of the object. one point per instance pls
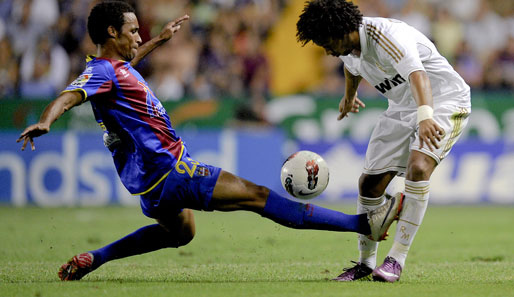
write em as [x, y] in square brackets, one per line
[390, 51]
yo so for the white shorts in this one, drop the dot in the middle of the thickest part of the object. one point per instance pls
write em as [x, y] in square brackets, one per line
[396, 134]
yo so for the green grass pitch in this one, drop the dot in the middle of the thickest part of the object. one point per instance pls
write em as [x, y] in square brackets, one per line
[459, 251]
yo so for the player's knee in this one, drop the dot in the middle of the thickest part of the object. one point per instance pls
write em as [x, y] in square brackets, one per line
[254, 198]
[368, 186]
[188, 228]
[186, 236]
[180, 230]
[180, 237]
[258, 196]
[418, 169]
[261, 193]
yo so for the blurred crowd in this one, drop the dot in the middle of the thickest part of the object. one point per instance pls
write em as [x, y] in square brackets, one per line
[475, 36]
[219, 52]
[43, 44]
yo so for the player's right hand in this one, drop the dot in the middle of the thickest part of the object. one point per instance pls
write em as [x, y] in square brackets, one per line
[31, 132]
[351, 105]
[172, 27]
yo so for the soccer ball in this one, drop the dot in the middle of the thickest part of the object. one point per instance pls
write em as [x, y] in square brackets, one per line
[304, 175]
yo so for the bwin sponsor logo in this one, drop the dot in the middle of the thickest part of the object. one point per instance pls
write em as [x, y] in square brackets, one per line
[387, 84]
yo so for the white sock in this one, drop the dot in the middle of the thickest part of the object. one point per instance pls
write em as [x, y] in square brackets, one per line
[414, 207]
[368, 248]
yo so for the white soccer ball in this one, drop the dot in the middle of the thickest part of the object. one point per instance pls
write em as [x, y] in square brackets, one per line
[304, 175]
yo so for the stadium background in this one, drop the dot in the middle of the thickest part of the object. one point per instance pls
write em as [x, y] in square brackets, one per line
[244, 95]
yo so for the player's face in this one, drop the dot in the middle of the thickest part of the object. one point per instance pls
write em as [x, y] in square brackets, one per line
[128, 40]
[350, 44]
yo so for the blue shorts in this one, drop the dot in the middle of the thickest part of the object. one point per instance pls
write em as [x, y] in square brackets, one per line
[189, 185]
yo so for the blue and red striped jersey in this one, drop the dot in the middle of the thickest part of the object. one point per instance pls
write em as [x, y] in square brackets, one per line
[124, 104]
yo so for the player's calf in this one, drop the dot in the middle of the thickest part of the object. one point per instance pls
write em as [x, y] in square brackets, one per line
[180, 230]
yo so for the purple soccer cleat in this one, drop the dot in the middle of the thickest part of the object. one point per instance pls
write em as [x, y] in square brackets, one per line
[389, 271]
[357, 272]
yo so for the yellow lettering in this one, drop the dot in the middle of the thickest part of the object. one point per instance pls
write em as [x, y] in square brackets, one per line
[190, 171]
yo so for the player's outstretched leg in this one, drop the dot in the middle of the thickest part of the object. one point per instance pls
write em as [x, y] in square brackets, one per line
[298, 215]
[308, 216]
[235, 193]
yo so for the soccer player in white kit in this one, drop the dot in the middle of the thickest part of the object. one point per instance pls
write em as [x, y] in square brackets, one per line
[429, 105]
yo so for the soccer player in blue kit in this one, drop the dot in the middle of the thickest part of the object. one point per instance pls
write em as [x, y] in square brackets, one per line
[153, 162]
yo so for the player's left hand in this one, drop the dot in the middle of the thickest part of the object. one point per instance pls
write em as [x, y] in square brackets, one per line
[430, 134]
[172, 27]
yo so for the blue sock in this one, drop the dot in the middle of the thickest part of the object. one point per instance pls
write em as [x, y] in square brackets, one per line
[308, 216]
[147, 239]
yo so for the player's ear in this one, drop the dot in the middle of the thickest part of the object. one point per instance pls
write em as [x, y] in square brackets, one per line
[112, 32]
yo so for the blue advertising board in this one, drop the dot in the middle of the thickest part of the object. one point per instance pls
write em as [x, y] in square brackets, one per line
[74, 168]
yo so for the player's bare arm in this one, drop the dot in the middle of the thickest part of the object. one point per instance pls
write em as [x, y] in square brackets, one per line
[166, 34]
[350, 102]
[429, 131]
[52, 112]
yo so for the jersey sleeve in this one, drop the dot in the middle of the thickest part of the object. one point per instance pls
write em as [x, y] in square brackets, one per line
[399, 51]
[96, 79]
[351, 64]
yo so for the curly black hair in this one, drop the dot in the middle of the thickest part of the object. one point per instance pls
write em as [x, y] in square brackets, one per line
[322, 20]
[106, 14]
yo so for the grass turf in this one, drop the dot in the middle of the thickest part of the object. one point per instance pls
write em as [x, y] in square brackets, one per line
[459, 251]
